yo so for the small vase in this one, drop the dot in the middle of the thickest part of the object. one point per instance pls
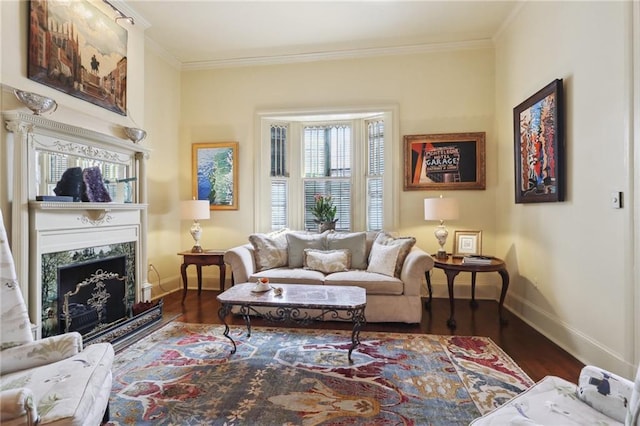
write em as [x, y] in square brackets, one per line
[326, 226]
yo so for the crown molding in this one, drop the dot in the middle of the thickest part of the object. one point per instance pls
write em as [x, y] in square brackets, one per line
[162, 53]
[337, 55]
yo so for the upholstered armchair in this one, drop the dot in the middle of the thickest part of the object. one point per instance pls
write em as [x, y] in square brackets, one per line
[600, 398]
[47, 381]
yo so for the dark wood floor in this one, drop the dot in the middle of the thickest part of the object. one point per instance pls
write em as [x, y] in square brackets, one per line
[535, 354]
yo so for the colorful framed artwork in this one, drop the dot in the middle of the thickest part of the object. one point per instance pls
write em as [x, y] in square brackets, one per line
[538, 124]
[77, 49]
[444, 161]
[215, 174]
[467, 242]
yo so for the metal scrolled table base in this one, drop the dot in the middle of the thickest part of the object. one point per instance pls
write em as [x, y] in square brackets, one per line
[297, 316]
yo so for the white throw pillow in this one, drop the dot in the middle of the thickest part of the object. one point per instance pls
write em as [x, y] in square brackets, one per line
[405, 245]
[383, 259]
[270, 250]
[327, 261]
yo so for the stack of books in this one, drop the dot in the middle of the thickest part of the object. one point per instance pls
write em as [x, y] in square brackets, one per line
[476, 259]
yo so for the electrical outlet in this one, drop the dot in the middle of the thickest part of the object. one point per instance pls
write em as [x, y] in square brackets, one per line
[616, 200]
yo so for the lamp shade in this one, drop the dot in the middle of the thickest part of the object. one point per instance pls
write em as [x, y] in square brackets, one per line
[195, 209]
[441, 208]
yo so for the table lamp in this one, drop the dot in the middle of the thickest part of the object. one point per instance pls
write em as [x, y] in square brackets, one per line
[195, 210]
[441, 209]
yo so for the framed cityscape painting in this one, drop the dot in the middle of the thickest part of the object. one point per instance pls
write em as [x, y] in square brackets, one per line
[538, 124]
[215, 174]
[77, 49]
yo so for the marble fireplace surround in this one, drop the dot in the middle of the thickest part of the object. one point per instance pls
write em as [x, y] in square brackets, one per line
[39, 227]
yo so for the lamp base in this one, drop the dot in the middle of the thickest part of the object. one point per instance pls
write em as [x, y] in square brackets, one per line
[441, 254]
[197, 249]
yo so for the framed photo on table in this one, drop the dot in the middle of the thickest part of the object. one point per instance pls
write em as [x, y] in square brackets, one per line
[215, 174]
[538, 125]
[467, 242]
[444, 161]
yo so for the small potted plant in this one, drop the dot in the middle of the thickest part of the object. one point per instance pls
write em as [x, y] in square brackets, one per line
[324, 212]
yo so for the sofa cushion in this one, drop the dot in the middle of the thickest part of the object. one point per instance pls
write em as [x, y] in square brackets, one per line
[604, 391]
[298, 241]
[270, 250]
[373, 283]
[404, 243]
[290, 276]
[355, 242]
[327, 261]
[383, 258]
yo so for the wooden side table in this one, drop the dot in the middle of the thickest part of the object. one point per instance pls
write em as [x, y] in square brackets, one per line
[206, 258]
[452, 266]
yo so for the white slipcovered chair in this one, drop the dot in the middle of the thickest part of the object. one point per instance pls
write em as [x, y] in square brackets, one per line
[600, 398]
[51, 381]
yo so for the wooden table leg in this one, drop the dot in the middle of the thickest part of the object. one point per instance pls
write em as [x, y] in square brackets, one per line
[199, 268]
[222, 274]
[505, 286]
[183, 271]
[473, 302]
[427, 304]
[451, 275]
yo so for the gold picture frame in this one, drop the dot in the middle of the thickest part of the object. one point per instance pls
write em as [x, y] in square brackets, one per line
[467, 242]
[444, 161]
[215, 174]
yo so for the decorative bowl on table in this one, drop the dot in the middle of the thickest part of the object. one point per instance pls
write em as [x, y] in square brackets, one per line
[36, 103]
[135, 134]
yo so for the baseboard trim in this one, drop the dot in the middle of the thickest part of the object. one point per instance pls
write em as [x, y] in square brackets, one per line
[575, 342]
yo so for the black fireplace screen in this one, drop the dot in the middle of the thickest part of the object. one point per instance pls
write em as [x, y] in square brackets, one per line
[91, 295]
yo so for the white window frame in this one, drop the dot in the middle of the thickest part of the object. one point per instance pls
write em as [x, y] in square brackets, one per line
[262, 180]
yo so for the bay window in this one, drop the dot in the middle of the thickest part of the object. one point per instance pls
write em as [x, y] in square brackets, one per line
[342, 156]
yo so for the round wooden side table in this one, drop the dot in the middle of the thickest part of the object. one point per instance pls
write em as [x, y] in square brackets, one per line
[452, 266]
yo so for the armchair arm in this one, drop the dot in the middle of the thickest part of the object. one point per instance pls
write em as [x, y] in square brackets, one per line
[18, 404]
[242, 262]
[40, 352]
[415, 265]
[605, 392]
[633, 415]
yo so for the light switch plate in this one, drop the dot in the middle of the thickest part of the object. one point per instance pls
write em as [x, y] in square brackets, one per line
[616, 200]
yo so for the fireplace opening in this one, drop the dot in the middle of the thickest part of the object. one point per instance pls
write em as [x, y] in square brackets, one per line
[92, 296]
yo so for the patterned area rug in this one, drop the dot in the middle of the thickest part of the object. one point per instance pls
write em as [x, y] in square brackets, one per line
[184, 374]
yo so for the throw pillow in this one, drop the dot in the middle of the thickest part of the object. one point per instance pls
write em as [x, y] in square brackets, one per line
[270, 250]
[383, 259]
[327, 261]
[405, 244]
[299, 241]
[355, 242]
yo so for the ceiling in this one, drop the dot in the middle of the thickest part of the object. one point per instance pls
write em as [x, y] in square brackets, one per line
[210, 34]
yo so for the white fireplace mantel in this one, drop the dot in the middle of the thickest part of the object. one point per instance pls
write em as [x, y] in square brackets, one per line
[37, 226]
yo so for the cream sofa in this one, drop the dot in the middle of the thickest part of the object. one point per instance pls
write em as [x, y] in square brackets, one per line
[390, 269]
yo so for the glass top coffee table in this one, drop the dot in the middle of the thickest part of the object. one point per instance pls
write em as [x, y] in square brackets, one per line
[327, 302]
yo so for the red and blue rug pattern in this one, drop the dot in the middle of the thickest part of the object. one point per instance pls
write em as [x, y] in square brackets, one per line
[184, 374]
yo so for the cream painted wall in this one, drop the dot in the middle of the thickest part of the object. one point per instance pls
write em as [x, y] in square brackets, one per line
[436, 93]
[572, 262]
[162, 115]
